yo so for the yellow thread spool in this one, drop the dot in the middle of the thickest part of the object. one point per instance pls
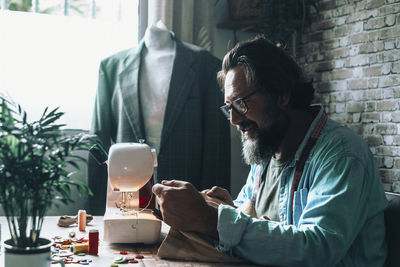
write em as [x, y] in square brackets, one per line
[81, 248]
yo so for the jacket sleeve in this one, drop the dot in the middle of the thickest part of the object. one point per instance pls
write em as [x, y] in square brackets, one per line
[335, 213]
[101, 126]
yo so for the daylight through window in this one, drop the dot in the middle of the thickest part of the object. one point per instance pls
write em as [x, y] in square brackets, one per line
[49, 59]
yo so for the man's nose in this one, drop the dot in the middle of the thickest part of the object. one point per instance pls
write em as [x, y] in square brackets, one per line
[236, 118]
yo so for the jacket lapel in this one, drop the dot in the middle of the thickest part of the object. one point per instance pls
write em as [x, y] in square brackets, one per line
[181, 79]
[129, 85]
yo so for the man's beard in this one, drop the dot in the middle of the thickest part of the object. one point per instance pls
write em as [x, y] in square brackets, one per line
[267, 138]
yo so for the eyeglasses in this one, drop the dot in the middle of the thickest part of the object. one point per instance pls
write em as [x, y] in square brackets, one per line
[238, 105]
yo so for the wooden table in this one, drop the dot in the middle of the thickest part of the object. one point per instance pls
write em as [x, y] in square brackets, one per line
[107, 252]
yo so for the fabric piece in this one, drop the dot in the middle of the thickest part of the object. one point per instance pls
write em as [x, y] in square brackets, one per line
[193, 246]
[67, 221]
[337, 210]
[267, 202]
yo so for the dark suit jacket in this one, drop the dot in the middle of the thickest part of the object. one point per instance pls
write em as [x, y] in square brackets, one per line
[195, 139]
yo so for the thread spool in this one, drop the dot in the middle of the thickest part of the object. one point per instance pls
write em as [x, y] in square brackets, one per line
[82, 220]
[93, 242]
[81, 248]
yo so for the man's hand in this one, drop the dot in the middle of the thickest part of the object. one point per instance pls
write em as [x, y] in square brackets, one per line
[220, 193]
[183, 208]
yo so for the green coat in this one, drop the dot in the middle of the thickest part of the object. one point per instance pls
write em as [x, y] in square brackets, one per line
[195, 139]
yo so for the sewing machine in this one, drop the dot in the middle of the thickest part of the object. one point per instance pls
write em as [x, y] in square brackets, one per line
[130, 167]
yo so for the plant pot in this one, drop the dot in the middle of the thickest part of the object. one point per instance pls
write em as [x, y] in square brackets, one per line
[29, 256]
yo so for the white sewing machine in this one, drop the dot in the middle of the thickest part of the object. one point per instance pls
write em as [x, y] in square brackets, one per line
[130, 167]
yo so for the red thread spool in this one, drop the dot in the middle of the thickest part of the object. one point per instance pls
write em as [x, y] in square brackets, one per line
[94, 242]
[145, 195]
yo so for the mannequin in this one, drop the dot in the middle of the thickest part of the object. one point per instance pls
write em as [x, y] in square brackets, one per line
[164, 91]
[155, 76]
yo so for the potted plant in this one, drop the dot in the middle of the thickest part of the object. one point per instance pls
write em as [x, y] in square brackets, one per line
[34, 157]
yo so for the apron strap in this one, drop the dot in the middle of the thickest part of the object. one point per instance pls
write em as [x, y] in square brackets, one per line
[306, 152]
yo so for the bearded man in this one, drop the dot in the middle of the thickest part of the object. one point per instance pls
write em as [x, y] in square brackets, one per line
[313, 196]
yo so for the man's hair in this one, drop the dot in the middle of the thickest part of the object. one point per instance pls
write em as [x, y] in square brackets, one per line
[270, 69]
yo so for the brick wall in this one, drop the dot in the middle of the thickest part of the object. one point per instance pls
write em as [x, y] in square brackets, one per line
[352, 51]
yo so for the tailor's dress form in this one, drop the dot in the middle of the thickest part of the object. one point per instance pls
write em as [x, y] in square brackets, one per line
[194, 136]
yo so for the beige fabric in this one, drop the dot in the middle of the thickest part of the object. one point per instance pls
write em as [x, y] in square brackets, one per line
[67, 221]
[193, 246]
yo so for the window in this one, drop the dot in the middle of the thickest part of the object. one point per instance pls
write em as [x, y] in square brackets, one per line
[48, 59]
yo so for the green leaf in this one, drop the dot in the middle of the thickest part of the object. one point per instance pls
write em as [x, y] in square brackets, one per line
[45, 111]
[74, 164]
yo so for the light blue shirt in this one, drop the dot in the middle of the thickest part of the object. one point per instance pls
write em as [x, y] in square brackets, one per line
[338, 209]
